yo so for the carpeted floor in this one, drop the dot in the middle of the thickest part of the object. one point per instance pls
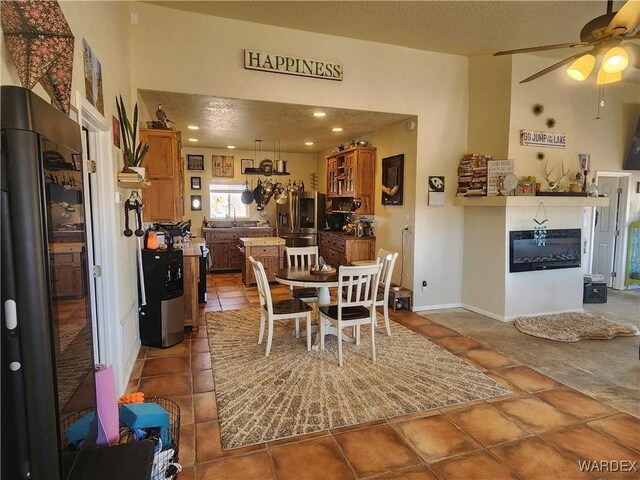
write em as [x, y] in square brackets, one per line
[573, 327]
[293, 392]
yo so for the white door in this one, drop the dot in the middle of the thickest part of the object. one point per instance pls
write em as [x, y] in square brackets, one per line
[606, 229]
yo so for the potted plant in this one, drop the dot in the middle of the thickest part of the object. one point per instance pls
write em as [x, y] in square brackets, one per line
[133, 154]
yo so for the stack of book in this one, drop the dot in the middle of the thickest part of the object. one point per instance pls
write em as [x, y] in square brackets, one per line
[472, 175]
[132, 177]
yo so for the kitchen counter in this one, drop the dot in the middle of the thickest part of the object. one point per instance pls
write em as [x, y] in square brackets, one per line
[254, 241]
[192, 248]
[344, 234]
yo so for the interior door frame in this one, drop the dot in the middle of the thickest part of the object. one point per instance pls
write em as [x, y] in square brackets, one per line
[620, 258]
[106, 303]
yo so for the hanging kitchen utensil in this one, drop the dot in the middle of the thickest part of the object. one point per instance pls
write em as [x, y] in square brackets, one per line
[247, 196]
[257, 192]
[267, 192]
[282, 195]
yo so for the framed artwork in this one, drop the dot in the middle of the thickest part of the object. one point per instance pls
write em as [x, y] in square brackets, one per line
[435, 188]
[115, 126]
[392, 180]
[195, 183]
[245, 163]
[195, 162]
[92, 77]
[196, 202]
[526, 187]
[222, 165]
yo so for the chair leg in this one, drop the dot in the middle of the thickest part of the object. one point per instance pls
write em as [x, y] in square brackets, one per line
[269, 337]
[297, 327]
[261, 335]
[308, 332]
[386, 318]
[357, 335]
[340, 346]
[321, 331]
[373, 342]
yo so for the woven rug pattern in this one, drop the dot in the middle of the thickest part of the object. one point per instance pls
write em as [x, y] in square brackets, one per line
[573, 327]
[293, 392]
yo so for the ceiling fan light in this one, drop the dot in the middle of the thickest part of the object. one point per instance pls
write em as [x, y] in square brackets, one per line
[615, 60]
[605, 78]
[582, 67]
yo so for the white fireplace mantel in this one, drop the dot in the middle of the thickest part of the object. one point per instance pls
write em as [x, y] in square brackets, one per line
[488, 287]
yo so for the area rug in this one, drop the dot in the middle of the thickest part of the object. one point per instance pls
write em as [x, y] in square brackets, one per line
[293, 392]
[573, 327]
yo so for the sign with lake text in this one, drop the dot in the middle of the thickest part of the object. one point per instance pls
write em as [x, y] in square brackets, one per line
[532, 138]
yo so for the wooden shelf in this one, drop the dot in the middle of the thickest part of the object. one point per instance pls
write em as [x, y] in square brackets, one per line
[531, 201]
[134, 185]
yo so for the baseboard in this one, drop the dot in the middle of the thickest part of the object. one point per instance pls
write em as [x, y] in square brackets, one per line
[444, 306]
[486, 313]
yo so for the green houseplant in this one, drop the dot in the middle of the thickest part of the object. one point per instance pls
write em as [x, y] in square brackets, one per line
[133, 154]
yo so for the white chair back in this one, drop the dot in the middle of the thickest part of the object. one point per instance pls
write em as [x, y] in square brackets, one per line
[263, 284]
[301, 256]
[388, 261]
[360, 284]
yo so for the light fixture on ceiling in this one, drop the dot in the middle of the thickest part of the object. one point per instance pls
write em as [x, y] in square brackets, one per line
[582, 67]
[319, 114]
[308, 144]
[193, 127]
[231, 147]
[605, 78]
[615, 60]
[193, 139]
[336, 129]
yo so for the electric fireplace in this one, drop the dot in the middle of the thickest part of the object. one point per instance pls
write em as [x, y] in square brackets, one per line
[561, 249]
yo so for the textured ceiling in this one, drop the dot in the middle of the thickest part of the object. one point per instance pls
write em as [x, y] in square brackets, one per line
[458, 27]
[230, 121]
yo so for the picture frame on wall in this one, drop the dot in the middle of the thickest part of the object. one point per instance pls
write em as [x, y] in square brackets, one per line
[222, 165]
[196, 183]
[196, 203]
[195, 162]
[115, 126]
[392, 180]
[244, 164]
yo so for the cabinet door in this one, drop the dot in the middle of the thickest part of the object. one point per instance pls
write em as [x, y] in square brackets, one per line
[349, 169]
[235, 256]
[359, 250]
[64, 283]
[219, 256]
[160, 201]
[159, 161]
[271, 267]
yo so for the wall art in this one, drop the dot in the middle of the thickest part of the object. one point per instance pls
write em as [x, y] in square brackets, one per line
[92, 77]
[392, 180]
[222, 165]
[195, 162]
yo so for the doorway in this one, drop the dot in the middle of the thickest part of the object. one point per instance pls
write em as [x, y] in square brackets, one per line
[609, 229]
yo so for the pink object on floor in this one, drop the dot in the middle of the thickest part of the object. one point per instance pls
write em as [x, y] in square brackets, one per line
[106, 406]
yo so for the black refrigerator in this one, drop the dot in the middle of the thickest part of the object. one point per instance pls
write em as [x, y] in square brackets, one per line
[47, 340]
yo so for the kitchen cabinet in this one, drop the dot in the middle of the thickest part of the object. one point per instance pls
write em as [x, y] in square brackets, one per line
[268, 250]
[223, 245]
[164, 198]
[351, 174]
[66, 270]
[337, 248]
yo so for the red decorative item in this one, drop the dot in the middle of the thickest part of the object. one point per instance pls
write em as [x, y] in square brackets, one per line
[41, 45]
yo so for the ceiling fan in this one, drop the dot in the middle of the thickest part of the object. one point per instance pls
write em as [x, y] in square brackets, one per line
[604, 34]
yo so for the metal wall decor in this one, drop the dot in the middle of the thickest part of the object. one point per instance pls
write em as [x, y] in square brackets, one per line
[540, 229]
[40, 42]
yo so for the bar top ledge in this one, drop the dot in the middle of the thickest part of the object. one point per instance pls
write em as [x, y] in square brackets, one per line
[531, 201]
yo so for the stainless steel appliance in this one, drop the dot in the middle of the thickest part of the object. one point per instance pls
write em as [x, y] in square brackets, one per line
[47, 355]
[300, 218]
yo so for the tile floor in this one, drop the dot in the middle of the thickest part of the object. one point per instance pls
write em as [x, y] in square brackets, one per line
[541, 430]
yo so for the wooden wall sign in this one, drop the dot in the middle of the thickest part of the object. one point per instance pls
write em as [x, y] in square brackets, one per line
[304, 67]
[532, 138]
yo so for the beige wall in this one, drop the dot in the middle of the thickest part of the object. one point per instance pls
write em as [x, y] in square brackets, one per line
[379, 77]
[300, 165]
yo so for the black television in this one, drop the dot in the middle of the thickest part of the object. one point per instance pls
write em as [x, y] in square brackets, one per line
[632, 160]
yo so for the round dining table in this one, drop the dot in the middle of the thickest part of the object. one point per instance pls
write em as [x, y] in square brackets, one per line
[301, 276]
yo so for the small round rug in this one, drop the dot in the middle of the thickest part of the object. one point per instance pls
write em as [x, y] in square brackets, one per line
[573, 327]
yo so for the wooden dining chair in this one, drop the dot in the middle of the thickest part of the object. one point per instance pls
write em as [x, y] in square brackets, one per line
[357, 307]
[280, 310]
[388, 261]
[302, 257]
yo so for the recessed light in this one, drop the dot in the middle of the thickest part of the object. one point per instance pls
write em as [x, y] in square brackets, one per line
[336, 129]
[193, 127]
[308, 143]
[193, 139]
[231, 147]
[319, 114]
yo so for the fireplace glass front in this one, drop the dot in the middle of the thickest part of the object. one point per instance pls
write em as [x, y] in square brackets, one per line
[561, 250]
